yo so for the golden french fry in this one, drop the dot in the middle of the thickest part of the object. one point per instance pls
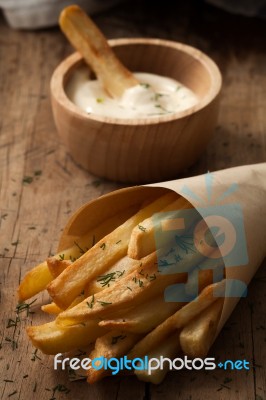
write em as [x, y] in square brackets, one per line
[99, 258]
[51, 308]
[142, 240]
[169, 348]
[113, 344]
[84, 35]
[197, 337]
[52, 339]
[146, 316]
[127, 293]
[40, 276]
[121, 268]
[181, 318]
[34, 281]
[56, 267]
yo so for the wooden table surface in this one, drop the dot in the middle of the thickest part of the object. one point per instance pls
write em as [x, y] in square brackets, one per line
[40, 186]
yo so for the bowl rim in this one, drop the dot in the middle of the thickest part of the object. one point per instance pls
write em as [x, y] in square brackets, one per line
[59, 94]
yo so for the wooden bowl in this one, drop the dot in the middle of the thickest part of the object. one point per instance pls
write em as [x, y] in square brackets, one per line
[141, 150]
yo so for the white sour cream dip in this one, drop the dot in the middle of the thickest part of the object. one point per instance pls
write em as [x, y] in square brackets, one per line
[154, 96]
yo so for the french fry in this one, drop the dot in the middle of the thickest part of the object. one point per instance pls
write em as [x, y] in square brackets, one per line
[197, 337]
[34, 281]
[127, 293]
[113, 344]
[122, 297]
[178, 320]
[167, 349]
[142, 241]
[56, 267]
[84, 35]
[153, 312]
[52, 339]
[51, 308]
[40, 276]
[120, 269]
[99, 258]
[144, 317]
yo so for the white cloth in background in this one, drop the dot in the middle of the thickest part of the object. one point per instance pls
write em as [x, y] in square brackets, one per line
[34, 14]
[249, 8]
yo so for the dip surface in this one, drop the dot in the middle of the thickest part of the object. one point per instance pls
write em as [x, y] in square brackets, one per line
[156, 95]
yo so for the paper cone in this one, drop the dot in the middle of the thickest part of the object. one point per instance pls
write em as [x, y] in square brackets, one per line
[246, 187]
[240, 190]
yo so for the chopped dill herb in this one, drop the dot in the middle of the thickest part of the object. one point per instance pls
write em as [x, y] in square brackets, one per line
[134, 279]
[157, 96]
[72, 259]
[141, 272]
[25, 376]
[111, 277]
[15, 243]
[225, 386]
[59, 388]
[142, 228]
[24, 306]
[35, 387]
[152, 277]
[8, 380]
[82, 251]
[35, 356]
[12, 322]
[103, 245]
[145, 85]
[100, 100]
[27, 180]
[164, 263]
[103, 303]
[116, 338]
[106, 279]
[119, 241]
[38, 172]
[62, 257]
[186, 243]
[140, 283]
[129, 288]
[91, 304]
[13, 342]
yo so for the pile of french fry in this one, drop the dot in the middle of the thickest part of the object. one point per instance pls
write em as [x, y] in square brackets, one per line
[113, 288]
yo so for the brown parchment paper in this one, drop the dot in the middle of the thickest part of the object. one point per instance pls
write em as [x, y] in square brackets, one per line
[251, 195]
